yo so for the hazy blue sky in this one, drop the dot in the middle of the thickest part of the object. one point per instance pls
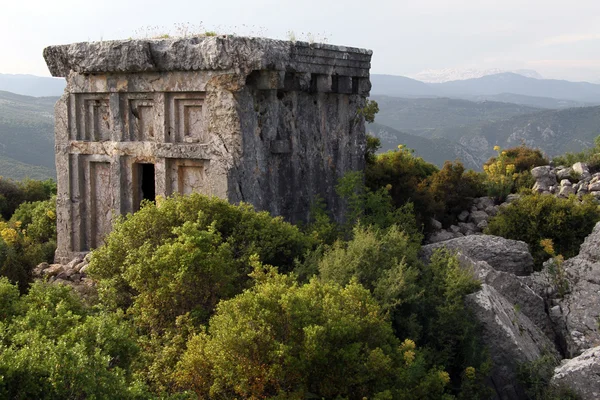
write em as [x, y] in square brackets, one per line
[558, 38]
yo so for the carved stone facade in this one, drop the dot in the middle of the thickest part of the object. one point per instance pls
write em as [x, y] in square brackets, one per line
[271, 123]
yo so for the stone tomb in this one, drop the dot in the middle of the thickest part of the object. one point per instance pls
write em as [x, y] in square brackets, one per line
[268, 122]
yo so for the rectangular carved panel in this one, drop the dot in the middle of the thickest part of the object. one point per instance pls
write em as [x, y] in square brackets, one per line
[141, 120]
[186, 122]
[96, 119]
[100, 202]
[187, 176]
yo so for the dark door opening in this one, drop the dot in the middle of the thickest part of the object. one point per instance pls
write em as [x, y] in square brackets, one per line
[146, 188]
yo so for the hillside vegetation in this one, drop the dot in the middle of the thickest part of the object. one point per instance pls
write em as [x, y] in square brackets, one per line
[26, 136]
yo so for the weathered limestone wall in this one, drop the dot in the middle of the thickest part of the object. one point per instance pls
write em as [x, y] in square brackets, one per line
[268, 122]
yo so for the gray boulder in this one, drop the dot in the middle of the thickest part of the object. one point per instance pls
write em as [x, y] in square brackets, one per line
[478, 216]
[441, 236]
[581, 374]
[582, 169]
[564, 173]
[544, 178]
[502, 254]
[515, 288]
[511, 338]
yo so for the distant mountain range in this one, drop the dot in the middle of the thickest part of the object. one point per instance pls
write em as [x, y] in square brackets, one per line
[31, 85]
[456, 74]
[507, 86]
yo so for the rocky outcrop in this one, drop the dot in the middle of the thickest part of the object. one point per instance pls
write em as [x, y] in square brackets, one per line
[581, 374]
[72, 274]
[563, 181]
[577, 314]
[470, 222]
[501, 254]
[511, 337]
[514, 288]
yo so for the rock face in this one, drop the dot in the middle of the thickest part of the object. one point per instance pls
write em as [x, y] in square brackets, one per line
[580, 374]
[511, 338]
[501, 254]
[269, 122]
[577, 314]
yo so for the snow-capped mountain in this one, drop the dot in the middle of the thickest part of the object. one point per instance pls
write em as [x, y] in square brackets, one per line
[459, 74]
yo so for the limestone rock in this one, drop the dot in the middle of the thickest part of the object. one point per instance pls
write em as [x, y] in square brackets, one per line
[566, 191]
[441, 236]
[594, 187]
[463, 216]
[502, 254]
[53, 270]
[578, 312]
[478, 216]
[544, 178]
[564, 173]
[512, 197]
[511, 338]
[581, 169]
[436, 224]
[198, 54]
[467, 228]
[515, 288]
[39, 269]
[581, 374]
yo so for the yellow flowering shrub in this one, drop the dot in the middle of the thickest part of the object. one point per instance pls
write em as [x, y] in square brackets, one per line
[10, 236]
[500, 175]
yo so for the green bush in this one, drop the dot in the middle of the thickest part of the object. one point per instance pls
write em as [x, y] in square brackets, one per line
[426, 302]
[453, 190]
[534, 217]
[185, 253]
[319, 340]
[401, 173]
[28, 239]
[53, 347]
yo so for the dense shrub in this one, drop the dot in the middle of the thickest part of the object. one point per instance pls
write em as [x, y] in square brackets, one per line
[185, 253]
[319, 340]
[426, 302]
[453, 190]
[534, 217]
[522, 157]
[28, 239]
[53, 347]
[401, 173]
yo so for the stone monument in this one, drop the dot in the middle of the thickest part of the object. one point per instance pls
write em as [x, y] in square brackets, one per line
[269, 122]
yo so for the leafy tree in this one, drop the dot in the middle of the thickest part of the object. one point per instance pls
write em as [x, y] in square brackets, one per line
[320, 340]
